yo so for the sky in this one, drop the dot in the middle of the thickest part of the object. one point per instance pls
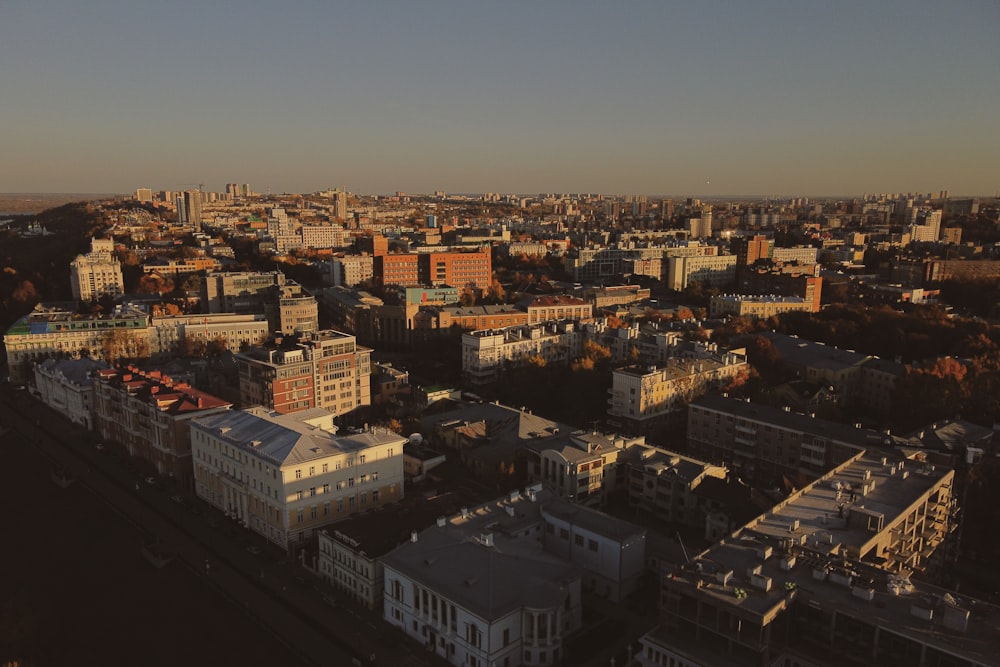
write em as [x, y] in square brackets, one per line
[646, 97]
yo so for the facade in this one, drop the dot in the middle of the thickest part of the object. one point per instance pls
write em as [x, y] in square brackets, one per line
[763, 442]
[65, 386]
[150, 415]
[757, 306]
[487, 353]
[480, 588]
[781, 281]
[822, 580]
[557, 307]
[397, 269]
[643, 397]
[322, 236]
[458, 268]
[326, 370]
[284, 476]
[297, 310]
[172, 267]
[51, 330]
[580, 466]
[663, 484]
[796, 255]
[713, 271]
[349, 270]
[241, 292]
[174, 335]
[97, 273]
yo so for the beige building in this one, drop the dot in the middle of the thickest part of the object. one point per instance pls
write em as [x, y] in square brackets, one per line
[757, 307]
[150, 415]
[285, 475]
[487, 353]
[173, 335]
[663, 483]
[642, 397]
[349, 270]
[712, 271]
[53, 331]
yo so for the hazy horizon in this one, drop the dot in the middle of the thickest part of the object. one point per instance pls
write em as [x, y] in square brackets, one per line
[708, 98]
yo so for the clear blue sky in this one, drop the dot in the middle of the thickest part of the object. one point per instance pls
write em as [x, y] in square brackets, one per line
[706, 98]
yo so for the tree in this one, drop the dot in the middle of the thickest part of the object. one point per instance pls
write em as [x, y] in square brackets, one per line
[467, 296]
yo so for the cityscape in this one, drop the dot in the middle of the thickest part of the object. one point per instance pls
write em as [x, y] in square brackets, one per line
[389, 341]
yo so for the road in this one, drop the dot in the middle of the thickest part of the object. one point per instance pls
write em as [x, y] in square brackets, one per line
[271, 592]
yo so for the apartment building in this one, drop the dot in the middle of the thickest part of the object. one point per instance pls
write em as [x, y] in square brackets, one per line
[663, 483]
[325, 370]
[487, 353]
[65, 386]
[823, 579]
[350, 270]
[785, 281]
[762, 442]
[96, 273]
[322, 236]
[796, 255]
[711, 271]
[582, 466]
[292, 310]
[457, 268]
[642, 397]
[757, 306]
[56, 330]
[150, 414]
[283, 476]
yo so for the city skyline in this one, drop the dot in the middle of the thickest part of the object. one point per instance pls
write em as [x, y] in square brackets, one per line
[709, 101]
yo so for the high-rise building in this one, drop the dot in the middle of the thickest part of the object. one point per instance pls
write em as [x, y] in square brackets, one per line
[97, 273]
[340, 205]
[144, 195]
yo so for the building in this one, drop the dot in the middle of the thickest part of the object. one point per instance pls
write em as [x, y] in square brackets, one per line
[487, 353]
[757, 306]
[97, 273]
[350, 270]
[458, 268]
[711, 271]
[150, 415]
[643, 397]
[763, 443]
[784, 281]
[182, 334]
[556, 307]
[860, 380]
[924, 225]
[189, 208]
[822, 580]
[581, 466]
[241, 292]
[65, 386]
[501, 583]
[144, 195]
[53, 330]
[325, 370]
[663, 483]
[174, 267]
[284, 476]
[292, 310]
[322, 236]
[802, 255]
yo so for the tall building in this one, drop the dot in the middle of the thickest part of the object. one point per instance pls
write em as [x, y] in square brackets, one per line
[97, 273]
[326, 370]
[144, 195]
[925, 225]
[283, 476]
[340, 205]
[240, 292]
[189, 208]
[718, 271]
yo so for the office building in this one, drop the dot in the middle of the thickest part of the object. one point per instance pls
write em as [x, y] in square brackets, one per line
[284, 476]
[711, 271]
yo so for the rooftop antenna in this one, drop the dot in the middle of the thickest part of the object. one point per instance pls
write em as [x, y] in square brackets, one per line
[687, 559]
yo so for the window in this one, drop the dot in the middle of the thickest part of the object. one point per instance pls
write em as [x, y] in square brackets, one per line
[326, 488]
[592, 545]
[375, 496]
[578, 540]
[350, 481]
[298, 474]
[361, 459]
[312, 512]
[326, 466]
[563, 534]
[301, 516]
[312, 470]
[298, 495]
[312, 491]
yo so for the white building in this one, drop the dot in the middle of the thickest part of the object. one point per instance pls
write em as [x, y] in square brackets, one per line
[285, 475]
[322, 236]
[485, 353]
[713, 271]
[479, 589]
[798, 254]
[97, 273]
[65, 386]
